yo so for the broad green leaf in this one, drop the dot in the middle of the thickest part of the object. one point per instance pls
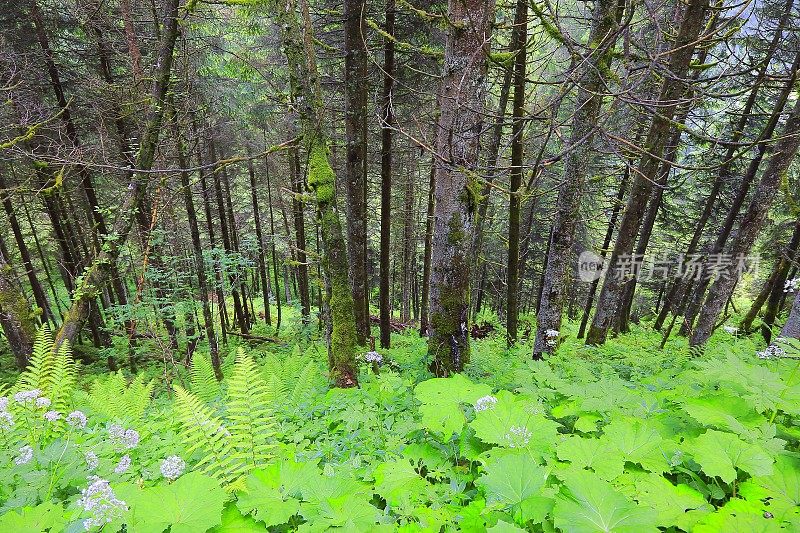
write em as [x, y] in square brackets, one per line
[515, 422]
[511, 479]
[43, 517]
[738, 516]
[639, 443]
[441, 400]
[719, 454]
[234, 522]
[588, 504]
[781, 490]
[671, 502]
[345, 514]
[602, 457]
[504, 527]
[272, 494]
[192, 503]
[397, 481]
[723, 411]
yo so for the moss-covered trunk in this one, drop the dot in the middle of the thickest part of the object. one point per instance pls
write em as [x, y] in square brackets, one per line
[306, 94]
[461, 100]
[16, 315]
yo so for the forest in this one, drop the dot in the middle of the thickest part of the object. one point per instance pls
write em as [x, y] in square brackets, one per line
[400, 265]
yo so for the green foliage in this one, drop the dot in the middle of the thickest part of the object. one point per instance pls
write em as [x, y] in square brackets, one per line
[619, 438]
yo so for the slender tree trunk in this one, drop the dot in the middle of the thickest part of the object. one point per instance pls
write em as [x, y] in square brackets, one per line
[722, 289]
[520, 39]
[387, 123]
[197, 249]
[15, 313]
[272, 250]
[591, 86]
[306, 94]
[262, 260]
[298, 187]
[694, 18]
[791, 329]
[461, 102]
[408, 251]
[356, 86]
[98, 273]
[424, 325]
[612, 224]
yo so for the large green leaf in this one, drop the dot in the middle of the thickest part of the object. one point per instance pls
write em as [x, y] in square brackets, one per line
[516, 422]
[601, 456]
[272, 495]
[639, 443]
[679, 505]
[738, 516]
[441, 400]
[397, 481]
[720, 454]
[588, 504]
[779, 491]
[514, 482]
[43, 517]
[234, 522]
[192, 503]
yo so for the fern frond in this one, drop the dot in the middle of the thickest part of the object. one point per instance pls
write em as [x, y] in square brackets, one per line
[204, 384]
[40, 365]
[205, 435]
[306, 383]
[249, 411]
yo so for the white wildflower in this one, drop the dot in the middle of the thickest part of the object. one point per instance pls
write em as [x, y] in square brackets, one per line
[772, 351]
[791, 285]
[373, 357]
[25, 455]
[42, 402]
[27, 395]
[123, 465]
[128, 438]
[172, 467]
[99, 500]
[91, 460]
[3, 403]
[551, 337]
[517, 437]
[77, 419]
[52, 416]
[6, 421]
[731, 330]
[487, 402]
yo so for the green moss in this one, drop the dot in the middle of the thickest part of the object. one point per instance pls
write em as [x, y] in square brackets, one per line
[321, 178]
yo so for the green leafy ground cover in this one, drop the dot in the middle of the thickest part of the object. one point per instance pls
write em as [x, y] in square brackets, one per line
[624, 438]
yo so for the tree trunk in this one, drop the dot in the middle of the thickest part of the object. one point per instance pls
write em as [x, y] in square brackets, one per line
[519, 39]
[262, 259]
[305, 88]
[298, 187]
[387, 123]
[356, 82]
[426, 260]
[670, 95]
[591, 86]
[197, 249]
[408, 250]
[272, 250]
[15, 313]
[722, 289]
[98, 273]
[461, 103]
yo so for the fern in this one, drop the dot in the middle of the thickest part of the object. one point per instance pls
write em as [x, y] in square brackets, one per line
[204, 384]
[306, 383]
[232, 447]
[54, 373]
[113, 397]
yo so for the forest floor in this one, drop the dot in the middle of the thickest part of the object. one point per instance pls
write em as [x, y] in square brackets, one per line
[622, 437]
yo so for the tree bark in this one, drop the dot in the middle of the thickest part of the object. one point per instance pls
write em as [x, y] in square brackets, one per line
[98, 272]
[791, 329]
[15, 313]
[752, 222]
[691, 26]
[356, 85]
[461, 102]
[591, 86]
[426, 260]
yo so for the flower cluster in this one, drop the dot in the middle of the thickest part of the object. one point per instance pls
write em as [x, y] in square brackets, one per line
[373, 357]
[26, 396]
[172, 467]
[42, 402]
[123, 465]
[92, 460]
[99, 500]
[791, 285]
[128, 438]
[487, 402]
[517, 437]
[731, 330]
[77, 419]
[552, 337]
[772, 351]
[25, 455]
[6, 420]
[52, 416]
